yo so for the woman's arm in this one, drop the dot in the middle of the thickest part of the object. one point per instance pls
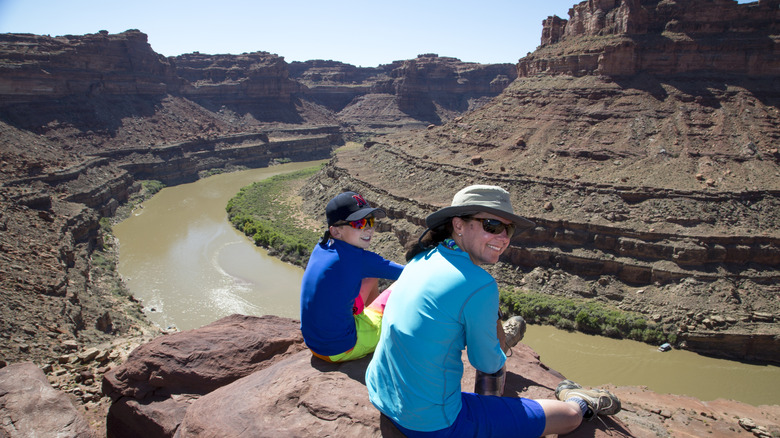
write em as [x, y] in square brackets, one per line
[482, 344]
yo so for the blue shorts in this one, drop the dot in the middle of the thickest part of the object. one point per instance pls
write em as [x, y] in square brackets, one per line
[490, 416]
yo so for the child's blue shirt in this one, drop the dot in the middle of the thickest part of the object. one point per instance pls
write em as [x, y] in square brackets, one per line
[331, 282]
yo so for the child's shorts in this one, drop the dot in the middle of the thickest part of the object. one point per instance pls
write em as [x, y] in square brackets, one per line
[368, 325]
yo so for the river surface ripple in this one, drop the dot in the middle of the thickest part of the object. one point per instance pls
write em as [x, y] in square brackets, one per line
[189, 266]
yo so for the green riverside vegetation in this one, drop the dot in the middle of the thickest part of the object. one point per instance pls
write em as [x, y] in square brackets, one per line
[258, 212]
[587, 316]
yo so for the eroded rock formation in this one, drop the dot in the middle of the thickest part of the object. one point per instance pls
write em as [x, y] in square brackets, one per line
[31, 407]
[641, 137]
[43, 68]
[243, 374]
[628, 37]
[414, 93]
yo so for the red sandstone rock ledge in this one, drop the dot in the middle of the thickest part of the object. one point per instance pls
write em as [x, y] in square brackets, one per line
[244, 373]
[253, 376]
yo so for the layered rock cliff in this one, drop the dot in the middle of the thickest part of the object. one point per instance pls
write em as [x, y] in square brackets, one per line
[414, 93]
[641, 137]
[625, 38]
[43, 68]
[84, 118]
[654, 187]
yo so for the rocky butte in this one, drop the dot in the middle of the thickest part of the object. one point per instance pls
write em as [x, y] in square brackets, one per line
[641, 137]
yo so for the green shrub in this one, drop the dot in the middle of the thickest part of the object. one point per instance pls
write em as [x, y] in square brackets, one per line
[565, 324]
[612, 332]
[257, 212]
[587, 322]
[152, 186]
[584, 315]
[105, 225]
[100, 260]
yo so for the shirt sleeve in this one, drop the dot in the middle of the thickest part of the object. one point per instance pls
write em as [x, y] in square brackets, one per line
[376, 266]
[482, 344]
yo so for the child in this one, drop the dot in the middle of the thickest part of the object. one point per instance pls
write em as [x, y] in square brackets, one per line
[341, 279]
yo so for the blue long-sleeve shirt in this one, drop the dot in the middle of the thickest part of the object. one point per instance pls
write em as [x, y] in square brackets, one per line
[441, 304]
[331, 282]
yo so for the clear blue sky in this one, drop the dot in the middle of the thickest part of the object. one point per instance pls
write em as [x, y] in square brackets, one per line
[363, 33]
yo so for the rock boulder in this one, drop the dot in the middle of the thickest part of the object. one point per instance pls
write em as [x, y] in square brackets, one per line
[153, 388]
[30, 407]
[253, 376]
[246, 373]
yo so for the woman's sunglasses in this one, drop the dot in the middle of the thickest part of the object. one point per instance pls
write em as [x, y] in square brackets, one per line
[494, 226]
[361, 223]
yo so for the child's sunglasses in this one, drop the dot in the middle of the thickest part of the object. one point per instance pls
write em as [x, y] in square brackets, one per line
[494, 226]
[362, 223]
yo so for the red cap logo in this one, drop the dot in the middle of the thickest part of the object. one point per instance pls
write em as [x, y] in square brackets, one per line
[360, 201]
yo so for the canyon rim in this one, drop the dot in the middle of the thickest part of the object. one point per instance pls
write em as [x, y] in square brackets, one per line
[641, 136]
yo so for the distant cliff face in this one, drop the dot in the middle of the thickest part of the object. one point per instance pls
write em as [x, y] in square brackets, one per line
[427, 89]
[42, 68]
[429, 81]
[430, 89]
[641, 138]
[251, 80]
[627, 37]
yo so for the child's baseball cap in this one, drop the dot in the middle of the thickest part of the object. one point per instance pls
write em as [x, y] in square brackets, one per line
[349, 206]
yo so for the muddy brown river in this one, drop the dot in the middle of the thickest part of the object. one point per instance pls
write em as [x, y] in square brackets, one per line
[181, 257]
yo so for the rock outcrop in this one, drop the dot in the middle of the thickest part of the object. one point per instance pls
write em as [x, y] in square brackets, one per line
[30, 407]
[641, 137]
[651, 182]
[43, 68]
[254, 374]
[628, 37]
[159, 380]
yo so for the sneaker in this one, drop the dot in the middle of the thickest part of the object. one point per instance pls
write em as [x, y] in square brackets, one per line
[514, 328]
[599, 401]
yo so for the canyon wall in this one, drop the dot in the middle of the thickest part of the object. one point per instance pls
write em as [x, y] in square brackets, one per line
[43, 68]
[84, 118]
[641, 135]
[628, 37]
[427, 89]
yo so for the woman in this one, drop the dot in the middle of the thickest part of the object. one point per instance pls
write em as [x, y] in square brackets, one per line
[444, 301]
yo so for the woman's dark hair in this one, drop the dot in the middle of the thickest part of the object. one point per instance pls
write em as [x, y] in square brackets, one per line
[429, 239]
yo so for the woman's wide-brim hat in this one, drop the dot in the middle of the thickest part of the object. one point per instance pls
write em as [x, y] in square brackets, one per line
[479, 198]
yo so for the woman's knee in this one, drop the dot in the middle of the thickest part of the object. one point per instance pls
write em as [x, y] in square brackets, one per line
[561, 417]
